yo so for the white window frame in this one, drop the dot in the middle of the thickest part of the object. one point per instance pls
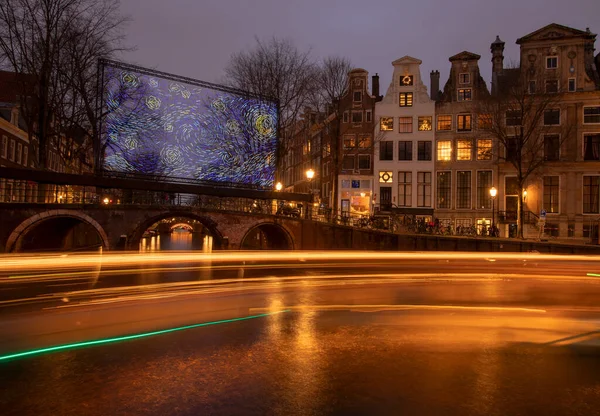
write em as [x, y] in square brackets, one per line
[559, 188]
[548, 59]
[583, 113]
[4, 153]
[368, 116]
[463, 100]
[582, 194]
[12, 148]
[19, 157]
[353, 95]
[25, 156]
[494, 205]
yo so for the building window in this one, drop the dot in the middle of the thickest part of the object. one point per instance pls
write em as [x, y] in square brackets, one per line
[349, 142]
[532, 87]
[345, 116]
[368, 116]
[348, 162]
[4, 146]
[572, 86]
[551, 86]
[386, 123]
[444, 123]
[551, 190]
[513, 118]
[364, 142]
[425, 123]
[404, 189]
[364, 161]
[406, 99]
[551, 147]
[484, 121]
[25, 155]
[406, 80]
[463, 122]
[357, 116]
[444, 150]
[551, 62]
[591, 147]
[406, 124]
[357, 96]
[484, 149]
[552, 117]
[511, 147]
[463, 189]
[385, 177]
[424, 150]
[11, 151]
[444, 189]
[591, 192]
[346, 183]
[405, 150]
[464, 150]
[591, 115]
[484, 183]
[424, 189]
[386, 150]
[464, 78]
[464, 94]
[19, 153]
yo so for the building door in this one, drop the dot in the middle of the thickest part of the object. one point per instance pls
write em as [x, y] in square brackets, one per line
[385, 198]
[512, 206]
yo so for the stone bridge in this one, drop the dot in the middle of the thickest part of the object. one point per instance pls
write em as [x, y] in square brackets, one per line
[25, 227]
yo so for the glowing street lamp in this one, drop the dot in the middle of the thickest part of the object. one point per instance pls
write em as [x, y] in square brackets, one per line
[493, 192]
[278, 186]
[310, 174]
[106, 201]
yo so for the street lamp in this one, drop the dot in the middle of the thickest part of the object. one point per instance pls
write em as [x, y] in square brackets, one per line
[278, 186]
[493, 192]
[310, 174]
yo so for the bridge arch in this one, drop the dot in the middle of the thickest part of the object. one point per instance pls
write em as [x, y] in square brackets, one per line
[15, 239]
[267, 235]
[211, 225]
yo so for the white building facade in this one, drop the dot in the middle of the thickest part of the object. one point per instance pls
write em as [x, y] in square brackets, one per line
[403, 161]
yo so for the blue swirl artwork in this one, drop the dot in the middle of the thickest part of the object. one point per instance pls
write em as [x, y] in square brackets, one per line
[172, 129]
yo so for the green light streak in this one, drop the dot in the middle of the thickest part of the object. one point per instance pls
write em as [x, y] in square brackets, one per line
[128, 337]
[593, 275]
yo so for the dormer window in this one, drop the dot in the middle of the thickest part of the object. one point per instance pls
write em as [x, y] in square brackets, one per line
[406, 80]
[464, 78]
[551, 62]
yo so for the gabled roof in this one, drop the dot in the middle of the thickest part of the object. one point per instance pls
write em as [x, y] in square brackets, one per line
[358, 71]
[555, 31]
[465, 56]
[407, 60]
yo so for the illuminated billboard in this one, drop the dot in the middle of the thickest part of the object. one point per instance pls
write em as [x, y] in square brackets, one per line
[171, 127]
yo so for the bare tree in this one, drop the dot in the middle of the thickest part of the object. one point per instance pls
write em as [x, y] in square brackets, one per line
[53, 46]
[526, 124]
[275, 69]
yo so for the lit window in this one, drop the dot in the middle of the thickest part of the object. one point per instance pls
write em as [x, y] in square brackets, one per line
[591, 115]
[444, 122]
[484, 149]
[551, 62]
[464, 94]
[463, 122]
[485, 121]
[444, 150]
[464, 78]
[349, 142]
[406, 99]
[385, 177]
[386, 123]
[425, 123]
[463, 150]
[364, 142]
[406, 125]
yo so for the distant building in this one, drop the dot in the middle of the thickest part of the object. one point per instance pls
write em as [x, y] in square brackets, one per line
[558, 60]
[403, 162]
[465, 163]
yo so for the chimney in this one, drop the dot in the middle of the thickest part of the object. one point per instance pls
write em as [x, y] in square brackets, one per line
[497, 49]
[375, 84]
[434, 78]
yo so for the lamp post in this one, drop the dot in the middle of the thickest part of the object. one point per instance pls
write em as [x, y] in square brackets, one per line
[493, 192]
[310, 174]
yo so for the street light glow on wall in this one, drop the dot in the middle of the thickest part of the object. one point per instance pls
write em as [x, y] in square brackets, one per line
[278, 186]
